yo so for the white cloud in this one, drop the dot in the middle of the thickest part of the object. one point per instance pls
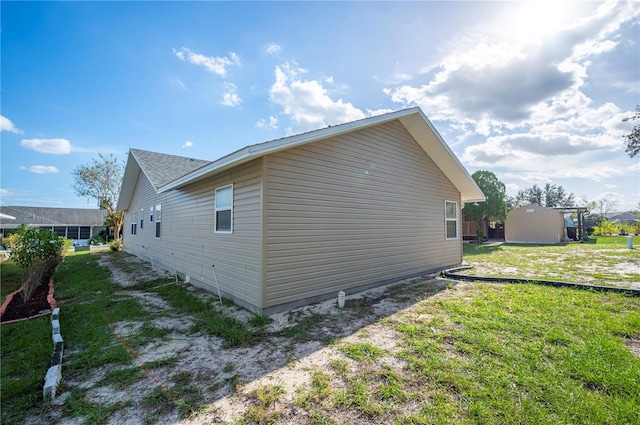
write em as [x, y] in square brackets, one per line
[307, 103]
[375, 112]
[53, 146]
[483, 78]
[187, 144]
[213, 64]
[274, 49]
[524, 107]
[40, 169]
[230, 98]
[7, 125]
[272, 124]
[5, 193]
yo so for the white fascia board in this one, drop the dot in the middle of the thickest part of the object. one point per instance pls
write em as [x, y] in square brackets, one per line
[131, 173]
[258, 150]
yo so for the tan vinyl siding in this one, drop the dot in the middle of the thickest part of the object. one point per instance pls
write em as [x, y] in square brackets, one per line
[353, 210]
[188, 232]
[534, 224]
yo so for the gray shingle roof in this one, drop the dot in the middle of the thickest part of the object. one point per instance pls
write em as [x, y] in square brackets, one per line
[162, 168]
[43, 216]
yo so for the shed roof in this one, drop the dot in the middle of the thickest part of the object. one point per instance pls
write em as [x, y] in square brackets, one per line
[46, 216]
[413, 119]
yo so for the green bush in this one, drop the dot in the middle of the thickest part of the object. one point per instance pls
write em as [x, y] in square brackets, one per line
[38, 251]
[624, 228]
[116, 245]
[96, 240]
[32, 246]
[606, 228]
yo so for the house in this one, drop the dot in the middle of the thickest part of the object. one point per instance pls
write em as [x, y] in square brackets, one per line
[539, 225]
[79, 224]
[298, 219]
[626, 217]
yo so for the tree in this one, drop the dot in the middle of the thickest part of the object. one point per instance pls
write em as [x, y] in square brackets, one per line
[101, 180]
[633, 139]
[550, 196]
[556, 196]
[606, 204]
[494, 207]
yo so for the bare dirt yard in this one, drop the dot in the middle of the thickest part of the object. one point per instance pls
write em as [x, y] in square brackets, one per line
[189, 378]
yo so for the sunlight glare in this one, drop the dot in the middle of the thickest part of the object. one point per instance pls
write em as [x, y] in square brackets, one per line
[531, 20]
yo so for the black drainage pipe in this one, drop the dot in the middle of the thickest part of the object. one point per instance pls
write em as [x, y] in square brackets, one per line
[452, 274]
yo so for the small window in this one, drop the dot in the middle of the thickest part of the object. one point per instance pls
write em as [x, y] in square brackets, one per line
[134, 223]
[151, 214]
[141, 219]
[224, 210]
[451, 219]
[158, 218]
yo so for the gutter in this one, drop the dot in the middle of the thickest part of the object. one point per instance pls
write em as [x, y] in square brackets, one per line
[452, 274]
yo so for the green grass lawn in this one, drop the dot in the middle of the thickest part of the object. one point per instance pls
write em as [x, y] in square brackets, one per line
[524, 354]
[476, 353]
[11, 276]
[600, 261]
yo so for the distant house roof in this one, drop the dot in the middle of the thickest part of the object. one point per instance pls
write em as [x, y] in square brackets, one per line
[627, 217]
[413, 119]
[45, 216]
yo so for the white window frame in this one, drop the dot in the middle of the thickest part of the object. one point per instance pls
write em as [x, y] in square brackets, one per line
[151, 214]
[158, 219]
[449, 219]
[134, 223]
[223, 208]
[141, 218]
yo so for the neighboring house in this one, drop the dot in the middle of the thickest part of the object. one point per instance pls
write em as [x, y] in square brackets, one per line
[74, 223]
[298, 219]
[624, 217]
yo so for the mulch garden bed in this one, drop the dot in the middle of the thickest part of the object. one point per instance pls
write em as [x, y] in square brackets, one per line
[41, 302]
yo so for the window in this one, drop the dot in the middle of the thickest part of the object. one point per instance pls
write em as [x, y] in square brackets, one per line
[158, 218]
[60, 231]
[151, 214]
[224, 210]
[134, 223]
[451, 219]
[141, 219]
[72, 232]
[85, 232]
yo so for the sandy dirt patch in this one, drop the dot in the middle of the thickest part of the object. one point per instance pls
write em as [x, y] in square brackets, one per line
[223, 379]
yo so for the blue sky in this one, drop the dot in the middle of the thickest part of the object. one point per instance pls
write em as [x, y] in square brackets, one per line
[535, 92]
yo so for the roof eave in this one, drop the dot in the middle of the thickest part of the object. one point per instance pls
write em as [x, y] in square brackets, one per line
[413, 119]
[131, 173]
[256, 151]
[419, 126]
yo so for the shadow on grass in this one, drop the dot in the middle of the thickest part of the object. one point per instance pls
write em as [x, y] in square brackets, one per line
[92, 305]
